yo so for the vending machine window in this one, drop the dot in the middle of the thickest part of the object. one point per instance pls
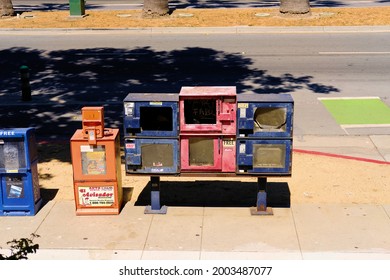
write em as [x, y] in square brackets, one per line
[208, 110]
[266, 115]
[93, 159]
[151, 115]
[149, 155]
[207, 153]
[95, 162]
[12, 154]
[264, 156]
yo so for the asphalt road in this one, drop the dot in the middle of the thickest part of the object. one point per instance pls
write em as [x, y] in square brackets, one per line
[70, 70]
[182, 4]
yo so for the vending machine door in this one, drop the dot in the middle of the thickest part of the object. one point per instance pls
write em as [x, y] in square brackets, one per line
[264, 115]
[95, 162]
[149, 155]
[151, 115]
[264, 157]
[12, 155]
[20, 195]
[201, 153]
[208, 110]
[17, 150]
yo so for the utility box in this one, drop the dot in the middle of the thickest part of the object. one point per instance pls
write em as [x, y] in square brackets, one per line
[19, 182]
[77, 8]
[96, 166]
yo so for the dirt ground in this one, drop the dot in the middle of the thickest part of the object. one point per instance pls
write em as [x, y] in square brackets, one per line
[201, 18]
[315, 179]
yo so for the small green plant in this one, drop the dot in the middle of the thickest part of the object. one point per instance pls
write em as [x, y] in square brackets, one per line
[21, 248]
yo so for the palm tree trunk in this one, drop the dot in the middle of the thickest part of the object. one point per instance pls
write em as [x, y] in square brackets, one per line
[7, 9]
[294, 7]
[155, 8]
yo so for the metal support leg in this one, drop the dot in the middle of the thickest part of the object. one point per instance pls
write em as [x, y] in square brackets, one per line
[261, 202]
[155, 207]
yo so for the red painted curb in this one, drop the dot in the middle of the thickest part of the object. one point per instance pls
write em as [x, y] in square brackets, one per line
[340, 156]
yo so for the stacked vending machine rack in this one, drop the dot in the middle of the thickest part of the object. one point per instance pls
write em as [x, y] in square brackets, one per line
[264, 134]
[19, 182]
[264, 140]
[151, 141]
[96, 166]
[207, 129]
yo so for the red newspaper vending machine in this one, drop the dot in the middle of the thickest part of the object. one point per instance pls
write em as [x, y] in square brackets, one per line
[96, 165]
[208, 129]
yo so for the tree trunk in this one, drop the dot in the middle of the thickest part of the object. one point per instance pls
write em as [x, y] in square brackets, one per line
[7, 9]
[155, 8]
[294, 7]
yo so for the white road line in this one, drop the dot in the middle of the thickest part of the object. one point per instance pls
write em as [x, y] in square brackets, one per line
[351, 53]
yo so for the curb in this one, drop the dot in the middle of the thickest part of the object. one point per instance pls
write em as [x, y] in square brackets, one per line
[340, 156]
[203, 30]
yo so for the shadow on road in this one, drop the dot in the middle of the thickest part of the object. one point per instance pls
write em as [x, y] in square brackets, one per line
[64, 81]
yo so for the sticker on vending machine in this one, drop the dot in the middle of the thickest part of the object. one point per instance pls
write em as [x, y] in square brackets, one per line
[14, 187]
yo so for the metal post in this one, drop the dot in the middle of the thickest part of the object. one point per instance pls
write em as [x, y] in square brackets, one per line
[155, 207]
[25, 83]
[261, 202]
[77, 8]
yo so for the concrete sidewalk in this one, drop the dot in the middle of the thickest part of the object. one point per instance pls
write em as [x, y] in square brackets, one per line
[300, 231]
[303, 231]
[331, 231]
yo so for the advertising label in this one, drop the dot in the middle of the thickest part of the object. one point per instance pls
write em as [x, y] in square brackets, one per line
[102, 196]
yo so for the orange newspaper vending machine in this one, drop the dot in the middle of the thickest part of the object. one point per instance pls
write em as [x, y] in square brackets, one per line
[96, 165]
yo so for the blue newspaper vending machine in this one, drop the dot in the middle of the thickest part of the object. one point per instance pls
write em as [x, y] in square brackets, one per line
[19, 183]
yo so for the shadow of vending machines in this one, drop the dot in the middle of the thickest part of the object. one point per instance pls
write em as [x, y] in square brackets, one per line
[19, 192]
[96, 165]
